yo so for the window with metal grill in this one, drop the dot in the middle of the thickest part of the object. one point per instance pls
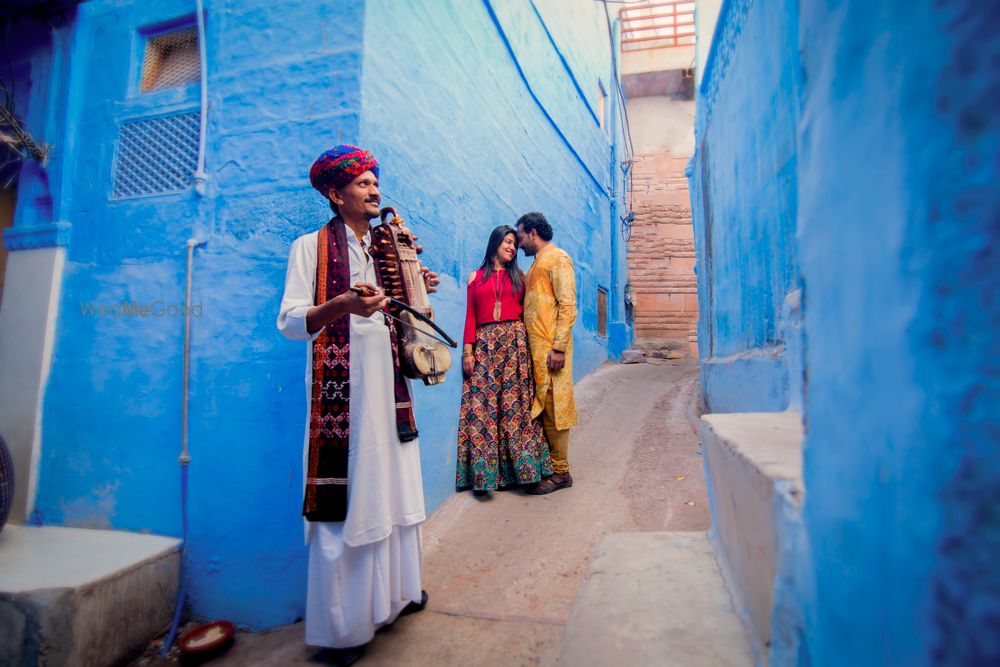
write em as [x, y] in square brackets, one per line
[156, 155]
[170, 60]
[602, 312]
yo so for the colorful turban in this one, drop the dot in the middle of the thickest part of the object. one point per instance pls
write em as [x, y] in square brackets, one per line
[339, 166]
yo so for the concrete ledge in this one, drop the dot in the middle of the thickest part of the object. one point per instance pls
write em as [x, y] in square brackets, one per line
[654, 599]
[70, 596]
[754, 466]
[725, 382]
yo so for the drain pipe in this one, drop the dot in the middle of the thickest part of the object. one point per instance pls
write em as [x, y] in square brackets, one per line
[185, 458]
[200, 177]
[614, 169]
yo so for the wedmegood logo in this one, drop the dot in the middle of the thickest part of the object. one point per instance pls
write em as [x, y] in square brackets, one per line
[133, 309]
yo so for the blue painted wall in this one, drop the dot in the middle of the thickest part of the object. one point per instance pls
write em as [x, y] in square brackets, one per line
[111, 422]
[743, 195]
[880, 201]
[477, 116]
[899, 163]
[500, 130]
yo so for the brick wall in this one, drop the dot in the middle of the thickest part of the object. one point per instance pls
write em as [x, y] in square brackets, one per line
[661, 256]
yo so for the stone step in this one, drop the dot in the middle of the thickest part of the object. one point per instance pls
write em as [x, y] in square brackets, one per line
[655, 599]
[679, 330]
[657, 343]
[753, 465]
[73, 596]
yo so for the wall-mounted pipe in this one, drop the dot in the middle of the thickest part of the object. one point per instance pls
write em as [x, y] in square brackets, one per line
[185, 457]
[616, 295]
[200, 177]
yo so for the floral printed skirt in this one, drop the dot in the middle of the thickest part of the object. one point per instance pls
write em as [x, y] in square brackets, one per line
[499, 445]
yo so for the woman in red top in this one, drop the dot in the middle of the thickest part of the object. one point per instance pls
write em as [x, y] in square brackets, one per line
[499, 445]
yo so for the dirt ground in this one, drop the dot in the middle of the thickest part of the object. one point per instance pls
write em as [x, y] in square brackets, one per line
[502, 572]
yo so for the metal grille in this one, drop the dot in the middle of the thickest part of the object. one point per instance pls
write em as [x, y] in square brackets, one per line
[655, 25]
[156, 155]
[171, 60]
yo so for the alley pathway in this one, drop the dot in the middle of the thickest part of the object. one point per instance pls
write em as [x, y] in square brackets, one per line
[502, 573]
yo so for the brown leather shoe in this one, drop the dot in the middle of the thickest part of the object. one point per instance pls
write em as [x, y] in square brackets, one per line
[554, 483]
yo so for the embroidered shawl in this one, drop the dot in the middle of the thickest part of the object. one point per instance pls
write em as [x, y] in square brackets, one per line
[329, 413]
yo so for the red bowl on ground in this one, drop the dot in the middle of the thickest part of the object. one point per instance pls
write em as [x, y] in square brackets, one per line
[207, 638]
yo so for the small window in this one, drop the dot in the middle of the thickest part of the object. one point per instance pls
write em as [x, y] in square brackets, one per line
[171, 60]
[602, 312]
[156, 155]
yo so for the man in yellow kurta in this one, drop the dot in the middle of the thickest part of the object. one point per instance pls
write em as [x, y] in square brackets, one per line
[549, 314]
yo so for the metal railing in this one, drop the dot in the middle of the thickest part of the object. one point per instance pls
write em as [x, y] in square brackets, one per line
[657, 25]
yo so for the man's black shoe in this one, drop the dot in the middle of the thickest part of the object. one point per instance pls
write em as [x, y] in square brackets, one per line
[414, 607]
[339, 657]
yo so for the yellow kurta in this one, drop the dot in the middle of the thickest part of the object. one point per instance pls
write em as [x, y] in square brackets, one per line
[549, 314]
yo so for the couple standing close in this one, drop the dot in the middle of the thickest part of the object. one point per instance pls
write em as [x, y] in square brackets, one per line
[517, 399]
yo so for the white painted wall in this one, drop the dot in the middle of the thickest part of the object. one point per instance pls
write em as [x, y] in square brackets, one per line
[27, 324]
[661, 123]
[657, 60]
[705, 15]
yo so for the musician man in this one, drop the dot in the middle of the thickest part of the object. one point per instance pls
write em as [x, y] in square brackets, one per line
[549, 314]
[364, 502]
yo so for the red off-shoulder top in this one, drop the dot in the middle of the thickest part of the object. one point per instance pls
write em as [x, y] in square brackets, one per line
[482, 297]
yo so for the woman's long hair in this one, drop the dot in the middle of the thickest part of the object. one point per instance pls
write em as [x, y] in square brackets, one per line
[514, 272]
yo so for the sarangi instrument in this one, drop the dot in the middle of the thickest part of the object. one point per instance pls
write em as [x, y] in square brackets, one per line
[421, 354]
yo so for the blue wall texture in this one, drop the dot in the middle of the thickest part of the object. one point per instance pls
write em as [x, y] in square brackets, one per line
[863, 168]
[487, 140]
[744, 201]
[899, 163]
[477, 114]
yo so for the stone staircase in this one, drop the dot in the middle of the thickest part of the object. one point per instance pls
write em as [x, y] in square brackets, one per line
[676, 599]
[78, 597]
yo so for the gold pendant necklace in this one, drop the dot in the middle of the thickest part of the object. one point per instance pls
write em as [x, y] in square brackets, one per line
[496, 293]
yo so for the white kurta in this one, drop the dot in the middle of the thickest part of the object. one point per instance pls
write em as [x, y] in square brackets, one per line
[364, 570]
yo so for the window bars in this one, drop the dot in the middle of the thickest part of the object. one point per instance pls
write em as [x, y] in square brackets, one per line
[156, 155]
[656, 25]
[171, 60]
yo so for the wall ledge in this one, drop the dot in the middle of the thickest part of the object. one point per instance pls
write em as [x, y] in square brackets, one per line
[772, 351]
[753, 465]
[32, 237]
